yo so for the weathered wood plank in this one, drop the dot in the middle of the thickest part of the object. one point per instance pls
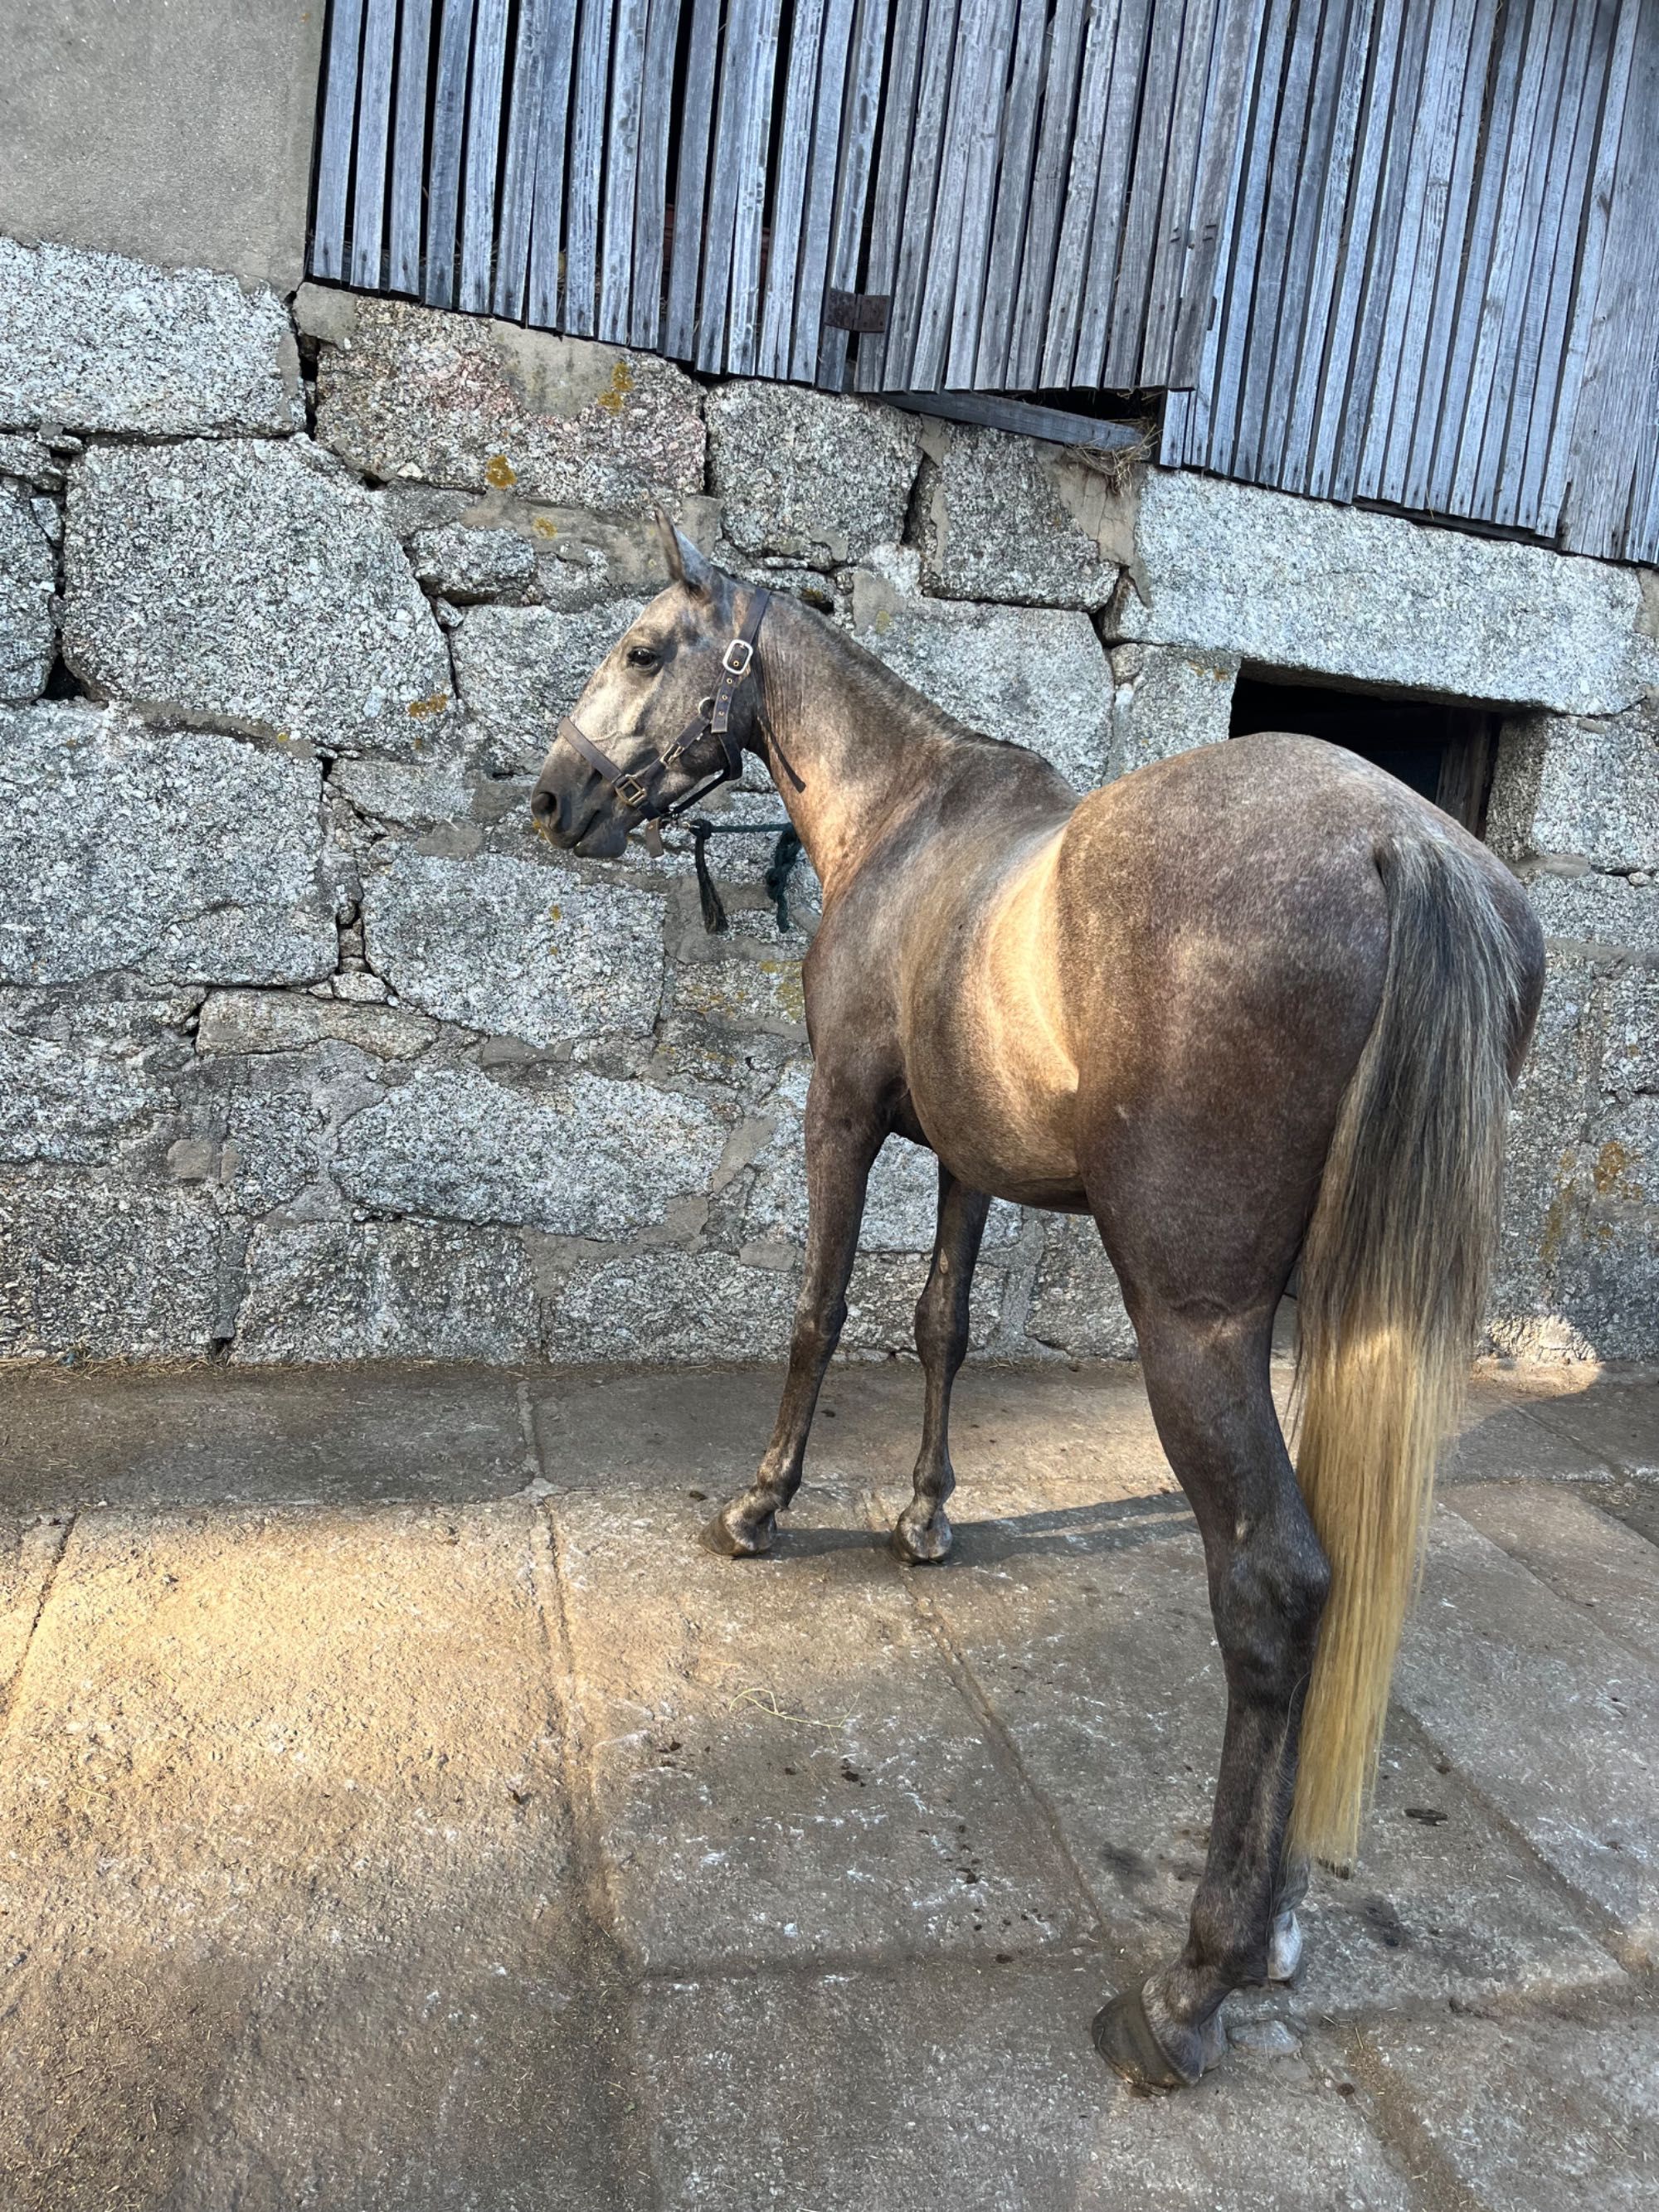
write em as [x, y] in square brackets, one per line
[855, 164]
[1178, 44]
[817, 215]
[1088, 153]
[443, 197]
[1169, 243]
[984, 148]
[1543, 337]
[621, 164]
[1019, 131]
[1292, 160]
[971, 128]
[750, 211]
[737, 62]
[878, 363]
[518, 176]
[651, 189]
[1587, 274]
[1233, 318]
[1049, 176]
[921, 198]
[800, 86]
[1433, 130]
[1024, 418]
[373, 133]
[1517, 216]
[483, 143]
[1236, 45]
[692, 181]
[334, 148]
[408, 146]
[552, 140]
[585, 168]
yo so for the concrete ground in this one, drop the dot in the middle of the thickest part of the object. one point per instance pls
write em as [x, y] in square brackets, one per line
[398, 1808]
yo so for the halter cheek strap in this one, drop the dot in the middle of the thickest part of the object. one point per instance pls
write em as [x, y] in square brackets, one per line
[637, 788]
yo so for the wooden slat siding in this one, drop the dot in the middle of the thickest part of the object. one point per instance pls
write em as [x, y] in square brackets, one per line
[1364, 186]
[373, 131]
[1048, 195]
[750, 212]
[1394, 381]
[1236, 46]
[916, 221]
[692, 181]
[1587, 275]
[1019, 131]
[585, 168]
[443, 198]
[855, 170]
[789, 200]
[1178, 47]
[832, 116]
[987, 114]
[1146, 47]
[547, 209]
[1088, 151]
[1503, 83]
[408, 146]
[519, 178]
[1424, 425]
[334, 149]
[628, 25]
[1444, 133]
[1372, 325]
[1293, 158]
[1233, 311]
[651, 191]
[951, 287]
[1616, 394]
[719, 210]
[483, 141]
[1315, 252]
[1517, 216]
[1168, 247]
[1541, 323]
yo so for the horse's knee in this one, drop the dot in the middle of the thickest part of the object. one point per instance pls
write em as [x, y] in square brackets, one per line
[1268, 1604]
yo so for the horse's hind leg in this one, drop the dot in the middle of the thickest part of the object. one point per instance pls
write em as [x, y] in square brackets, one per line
[843, 1136]
[1206, 1372]
[923, 1532]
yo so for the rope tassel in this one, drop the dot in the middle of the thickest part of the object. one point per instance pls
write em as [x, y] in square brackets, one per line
[785, 854]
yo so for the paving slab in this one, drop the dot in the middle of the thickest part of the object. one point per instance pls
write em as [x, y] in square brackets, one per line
[1086, 1627]
[1616, 1415]
[1585, 1555]
[1531, 2115]
[29, 1552]
[142, 1436]
[782, 1760]
[943, 2089]
[1554, 1723]
[284, 1843]
[1500, 1440]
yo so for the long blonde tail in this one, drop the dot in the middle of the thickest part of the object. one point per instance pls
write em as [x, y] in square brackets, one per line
[1393, 1280]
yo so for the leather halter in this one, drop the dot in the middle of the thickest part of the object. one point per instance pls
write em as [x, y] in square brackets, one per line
[635, 787]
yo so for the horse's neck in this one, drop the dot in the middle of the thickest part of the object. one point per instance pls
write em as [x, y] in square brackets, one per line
[849, 744]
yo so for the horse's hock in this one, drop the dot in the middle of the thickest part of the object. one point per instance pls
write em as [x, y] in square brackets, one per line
[312, 1051]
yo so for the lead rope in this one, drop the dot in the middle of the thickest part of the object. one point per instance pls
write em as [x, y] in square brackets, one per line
[785, 854]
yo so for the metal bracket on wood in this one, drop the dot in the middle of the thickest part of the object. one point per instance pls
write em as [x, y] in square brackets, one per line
[864, 312]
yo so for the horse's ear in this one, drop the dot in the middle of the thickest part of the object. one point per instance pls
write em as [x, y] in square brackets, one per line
[685, 564]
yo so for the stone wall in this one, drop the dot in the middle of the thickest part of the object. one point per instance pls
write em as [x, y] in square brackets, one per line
[309, 1050]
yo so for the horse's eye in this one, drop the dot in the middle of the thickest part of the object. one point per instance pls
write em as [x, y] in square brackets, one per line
[642, 656]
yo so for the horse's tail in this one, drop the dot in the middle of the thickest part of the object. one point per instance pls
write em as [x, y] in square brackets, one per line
[1394, 1278]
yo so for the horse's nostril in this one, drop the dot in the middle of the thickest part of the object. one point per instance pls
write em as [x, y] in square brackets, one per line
[544, 804]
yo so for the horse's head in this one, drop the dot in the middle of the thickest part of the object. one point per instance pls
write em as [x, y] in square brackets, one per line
[644, 712]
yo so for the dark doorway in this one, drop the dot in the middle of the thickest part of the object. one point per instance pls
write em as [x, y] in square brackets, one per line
[1444, 751]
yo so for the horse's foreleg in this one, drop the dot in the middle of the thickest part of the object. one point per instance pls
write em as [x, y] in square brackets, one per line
[1207, 1377]
[923, 1531]
[843, 1136]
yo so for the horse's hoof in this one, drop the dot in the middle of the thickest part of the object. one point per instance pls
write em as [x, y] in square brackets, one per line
[737, 1534]
[923, 1543]
[1124, 2038]
[1285, 1949]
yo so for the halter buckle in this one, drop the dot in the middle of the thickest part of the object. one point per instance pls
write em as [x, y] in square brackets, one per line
[730, 661]
[631, 789]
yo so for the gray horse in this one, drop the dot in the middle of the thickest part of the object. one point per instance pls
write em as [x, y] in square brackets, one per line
[1256, 1006]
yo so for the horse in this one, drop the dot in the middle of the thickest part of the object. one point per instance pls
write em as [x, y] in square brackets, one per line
[1258, 1008]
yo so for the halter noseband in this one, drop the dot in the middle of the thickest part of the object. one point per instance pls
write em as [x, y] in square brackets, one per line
[634, 787]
